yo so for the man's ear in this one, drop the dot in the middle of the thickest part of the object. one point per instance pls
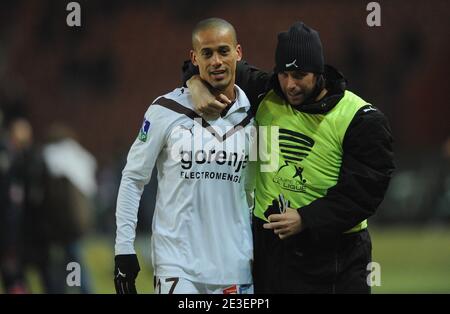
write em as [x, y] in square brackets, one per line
[193, 58]
[239, 52]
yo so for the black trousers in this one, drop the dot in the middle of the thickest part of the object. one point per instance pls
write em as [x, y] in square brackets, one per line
[300, 265]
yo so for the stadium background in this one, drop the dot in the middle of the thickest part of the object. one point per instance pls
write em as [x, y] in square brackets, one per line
[99, 79]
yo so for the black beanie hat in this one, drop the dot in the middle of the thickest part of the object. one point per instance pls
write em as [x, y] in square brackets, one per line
[299, 48]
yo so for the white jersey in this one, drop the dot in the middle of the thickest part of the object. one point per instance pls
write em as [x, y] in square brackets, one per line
[201, 226]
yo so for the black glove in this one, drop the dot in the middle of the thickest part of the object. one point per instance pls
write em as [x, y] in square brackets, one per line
[272, 209]
[278, 206]
[125, 272]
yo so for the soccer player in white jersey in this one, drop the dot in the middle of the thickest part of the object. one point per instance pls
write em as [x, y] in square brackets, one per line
[201, 233]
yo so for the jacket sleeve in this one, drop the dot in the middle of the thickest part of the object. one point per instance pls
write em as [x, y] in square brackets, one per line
[366, 170]
[188, 70]
[136, 174]
[253, 81]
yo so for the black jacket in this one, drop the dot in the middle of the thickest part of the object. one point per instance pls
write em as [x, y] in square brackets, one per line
[321, 259]
[367, 163]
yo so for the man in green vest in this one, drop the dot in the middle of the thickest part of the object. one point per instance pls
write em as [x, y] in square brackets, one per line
[333, 166]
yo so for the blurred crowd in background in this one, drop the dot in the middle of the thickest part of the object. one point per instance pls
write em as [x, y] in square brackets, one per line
[72, 101]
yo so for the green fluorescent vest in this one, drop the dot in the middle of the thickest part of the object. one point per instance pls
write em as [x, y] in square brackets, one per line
[309, 150]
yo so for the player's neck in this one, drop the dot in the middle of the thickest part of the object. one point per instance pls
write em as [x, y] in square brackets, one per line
[230, 92]
[321, 94]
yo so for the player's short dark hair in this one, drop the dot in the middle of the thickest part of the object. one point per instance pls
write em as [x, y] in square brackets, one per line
[213, 22]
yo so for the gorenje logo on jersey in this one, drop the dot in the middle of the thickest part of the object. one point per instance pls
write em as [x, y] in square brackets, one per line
[207, 153]
[294, 147]
[221, 157]
[192, 144]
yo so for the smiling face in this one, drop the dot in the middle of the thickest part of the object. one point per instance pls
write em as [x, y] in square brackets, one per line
[216, 53]
[297, 85]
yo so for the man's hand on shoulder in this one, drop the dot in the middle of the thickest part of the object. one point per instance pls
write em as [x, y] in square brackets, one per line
[205, 102]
